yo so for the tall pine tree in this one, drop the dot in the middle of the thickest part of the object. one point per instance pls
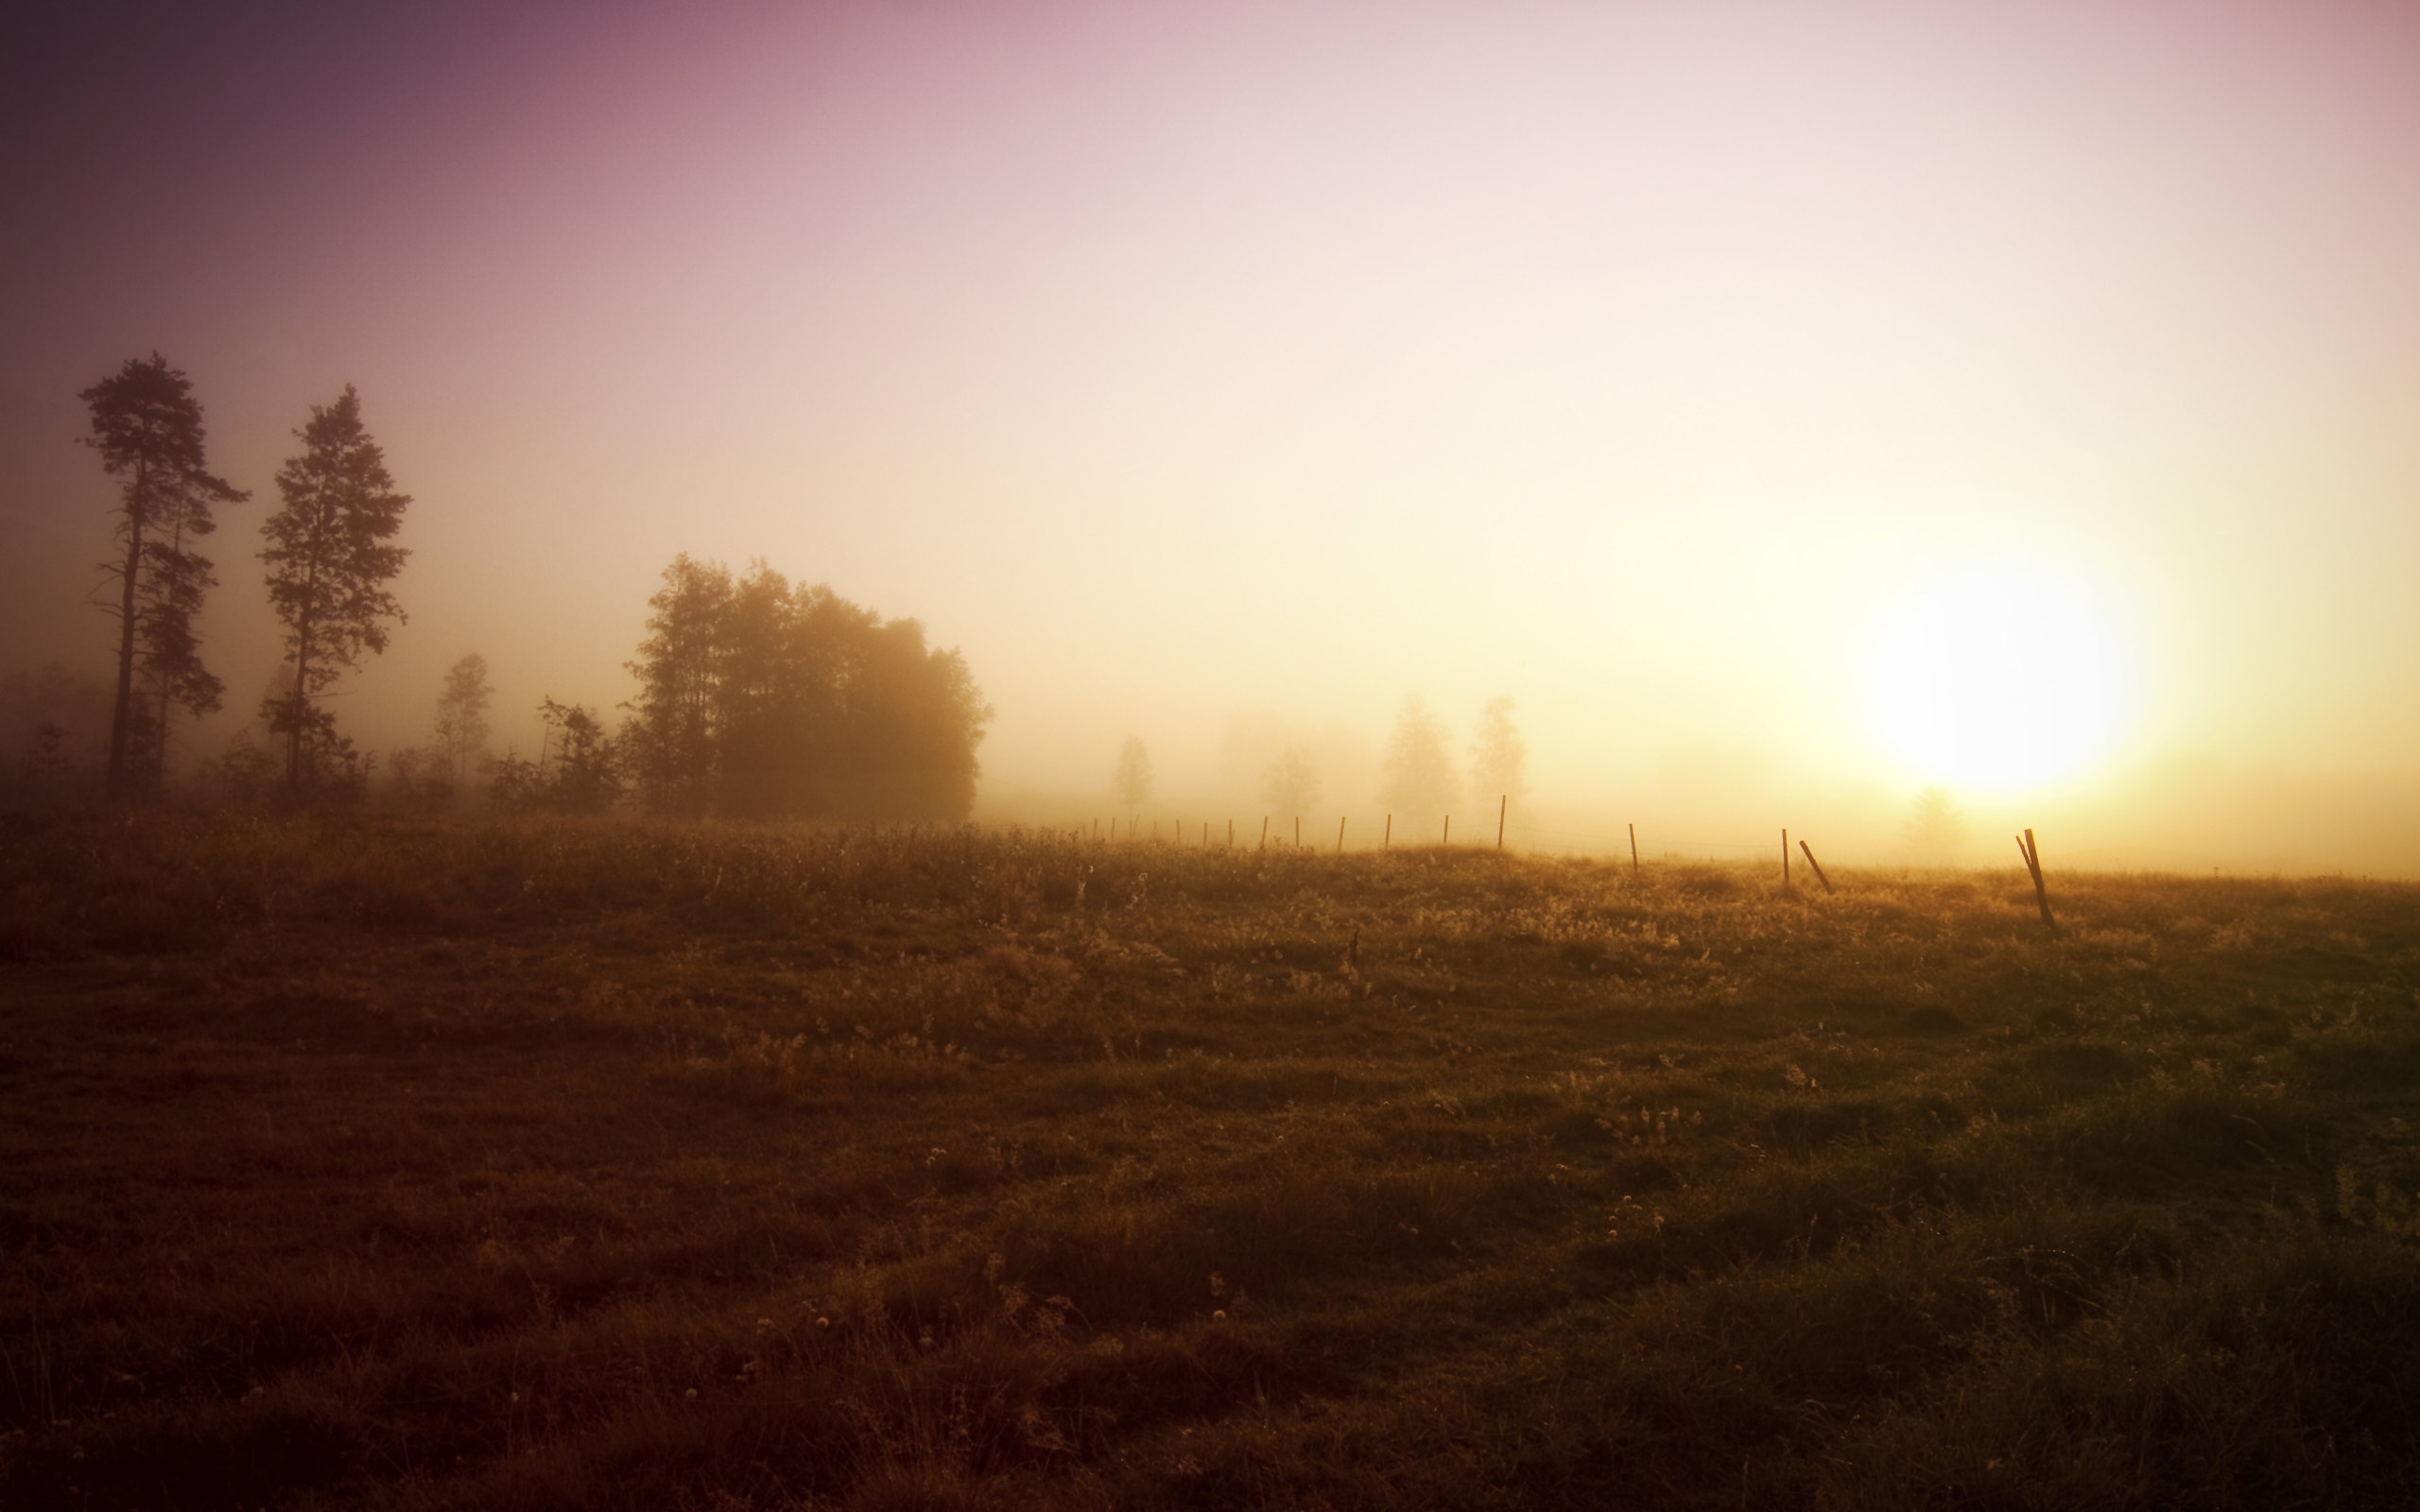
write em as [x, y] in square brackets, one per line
[328, 564]
[147, 427]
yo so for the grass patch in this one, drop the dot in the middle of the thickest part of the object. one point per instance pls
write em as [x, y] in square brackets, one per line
[617, 1164]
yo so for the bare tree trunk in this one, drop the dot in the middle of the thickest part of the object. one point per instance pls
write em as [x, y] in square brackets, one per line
[301, 671]
[123, 714]
[168, 687]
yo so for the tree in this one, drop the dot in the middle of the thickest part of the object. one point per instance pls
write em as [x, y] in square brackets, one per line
[576, 770]
[1934, 828]
[53, 725]
[328, 563]
[1289, 784]
[757, 697]
[912, 718]
[1131, 779]
[1419, 782]
[462, 719]
[146, 425]
[674, 728]
[1499, 757]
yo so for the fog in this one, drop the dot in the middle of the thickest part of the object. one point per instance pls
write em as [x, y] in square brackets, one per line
[1226, 375]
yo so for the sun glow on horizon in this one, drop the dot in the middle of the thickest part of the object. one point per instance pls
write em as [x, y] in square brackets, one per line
[2001, 676]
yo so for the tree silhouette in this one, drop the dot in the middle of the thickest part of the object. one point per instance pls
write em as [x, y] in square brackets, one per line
[146, 425]
[1131, 779]
[1935, 828]
[462, 718]
[46, 718]
[576, 770]
[673, 726]
[327, 567]
[1419, 781]
[760, 698]
[1499, 757]
[1289, 784]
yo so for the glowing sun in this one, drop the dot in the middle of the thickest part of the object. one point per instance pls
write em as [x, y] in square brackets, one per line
[1999, 676]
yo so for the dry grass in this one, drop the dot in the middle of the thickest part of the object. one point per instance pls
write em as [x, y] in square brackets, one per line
[348, 1162]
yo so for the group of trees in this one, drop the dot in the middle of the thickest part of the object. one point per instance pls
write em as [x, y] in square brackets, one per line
[1419, 781]
[755, 698]
[328, 562]
[761, 698]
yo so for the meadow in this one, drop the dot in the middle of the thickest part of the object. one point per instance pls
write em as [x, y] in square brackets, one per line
[363, 1161]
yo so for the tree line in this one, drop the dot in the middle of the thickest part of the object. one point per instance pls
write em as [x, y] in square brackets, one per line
[762, 698]
[757, 697]
[1419, 781]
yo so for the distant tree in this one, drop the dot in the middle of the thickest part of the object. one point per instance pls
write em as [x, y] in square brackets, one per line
[328, 563]
[1935, 828]
[675, 727]
[462, 720]
[1289, 784]
[1499, 757]
[912, 716]
[47, 757]
[577, 769]
[1131, 779]
[146, 425]
[47, 717]
[1419, 783]
[513, 782]
[758, 697]
[242, 775]
[417, 778]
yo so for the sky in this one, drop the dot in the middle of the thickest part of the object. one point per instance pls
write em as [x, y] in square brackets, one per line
[1746, 389]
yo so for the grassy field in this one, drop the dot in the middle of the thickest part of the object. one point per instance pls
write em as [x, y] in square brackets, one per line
[349, 1162]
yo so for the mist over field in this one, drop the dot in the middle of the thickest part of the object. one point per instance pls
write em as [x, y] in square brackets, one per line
[1789, 409]
[1140, 756]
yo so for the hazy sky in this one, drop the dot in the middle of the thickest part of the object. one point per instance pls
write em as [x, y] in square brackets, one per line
[1645, 362]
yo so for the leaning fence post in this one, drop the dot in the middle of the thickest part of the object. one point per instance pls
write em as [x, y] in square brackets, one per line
[2032, 854]
[1502, 800]
[1339, 836]
[1387, 841]
[1634, 850]
[1818, 866]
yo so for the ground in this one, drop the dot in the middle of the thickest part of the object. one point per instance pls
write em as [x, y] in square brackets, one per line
[368, 1162]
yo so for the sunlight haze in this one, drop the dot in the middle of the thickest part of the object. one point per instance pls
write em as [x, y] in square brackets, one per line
[1788, 406]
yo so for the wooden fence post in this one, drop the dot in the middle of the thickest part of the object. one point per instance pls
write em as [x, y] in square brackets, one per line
[1298, 832]
[1387, 842]
[1502, 802]
[1339, 836]
[1634, 850]
[1449, 829]
[1264, 832]
[2032, 854]
[1818, 866]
